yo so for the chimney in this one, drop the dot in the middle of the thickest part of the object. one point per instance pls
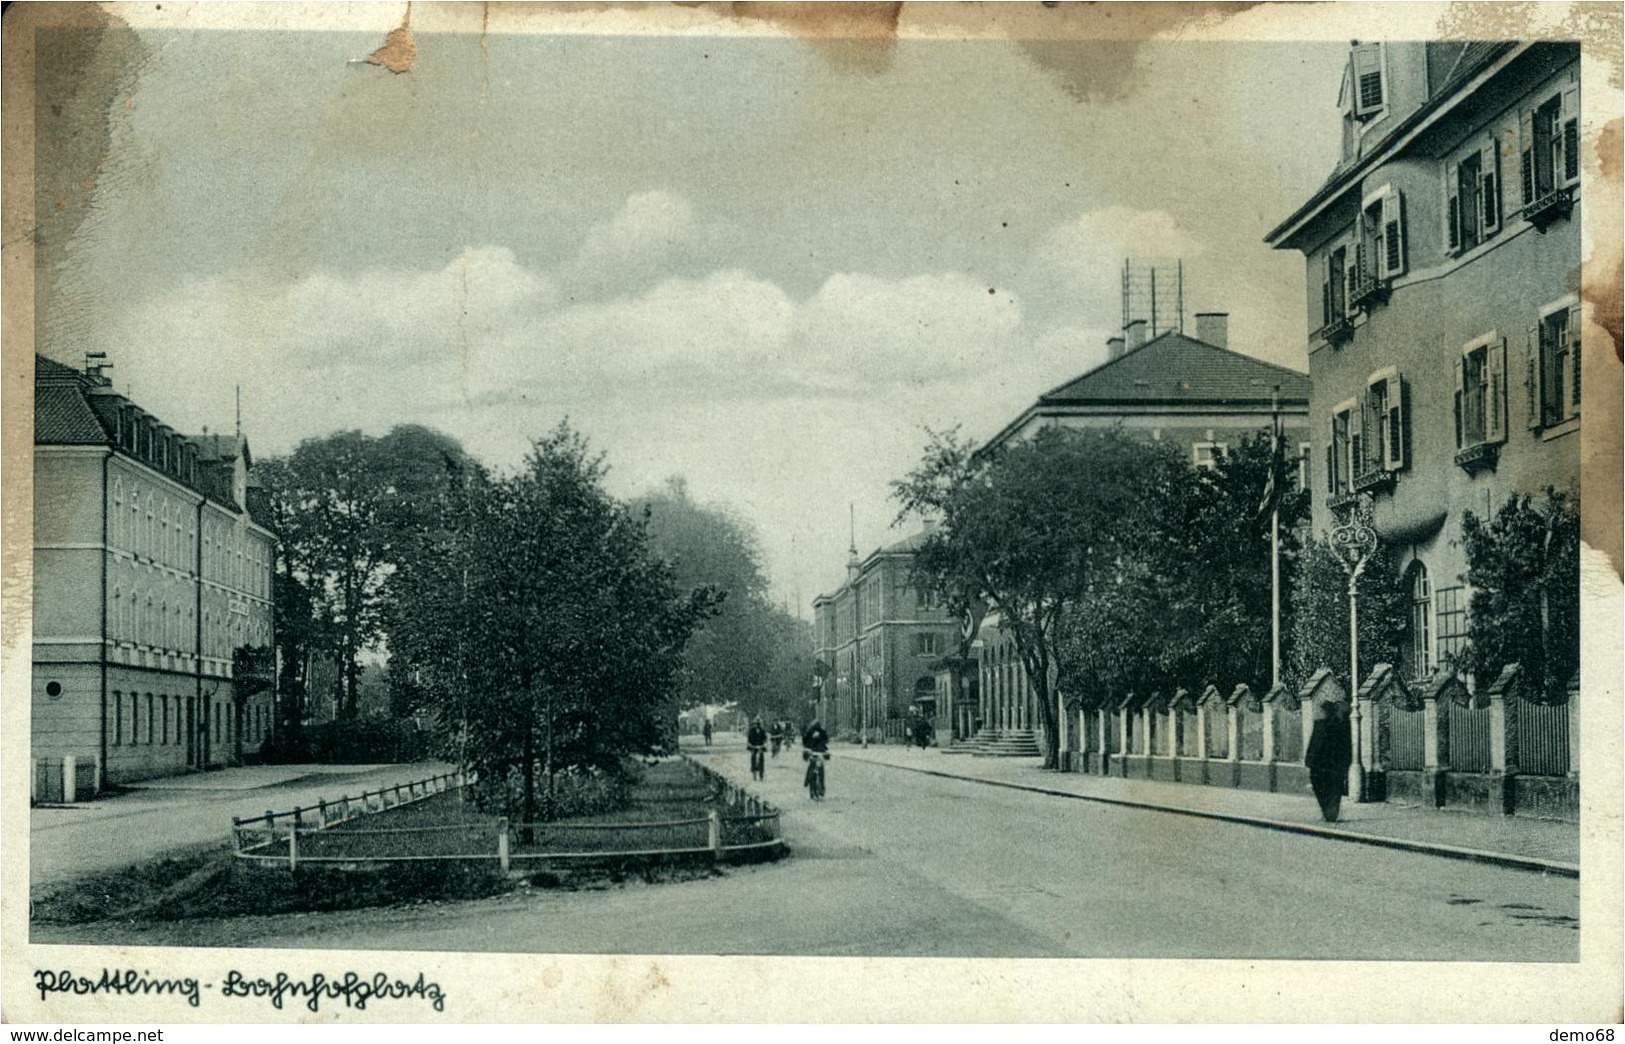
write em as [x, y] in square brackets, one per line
[1114, 348]
[1214, 328]
[1135, 332]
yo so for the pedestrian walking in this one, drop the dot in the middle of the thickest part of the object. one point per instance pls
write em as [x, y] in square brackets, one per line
[706, 731]
[1328, 757]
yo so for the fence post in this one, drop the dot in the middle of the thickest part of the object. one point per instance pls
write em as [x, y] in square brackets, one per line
[298, 817]
[293, 847]
[237, 833]
[503, 859]
[70, 779]
[713, 827]
[346, 806]
[321, 810]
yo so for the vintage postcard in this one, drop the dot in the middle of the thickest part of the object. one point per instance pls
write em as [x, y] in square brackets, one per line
[1000, 512]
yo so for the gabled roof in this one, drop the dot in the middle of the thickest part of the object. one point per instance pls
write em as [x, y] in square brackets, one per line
[1174, 368]
[62, 417]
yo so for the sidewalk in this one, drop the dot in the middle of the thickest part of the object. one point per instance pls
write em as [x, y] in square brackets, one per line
[1531, 844]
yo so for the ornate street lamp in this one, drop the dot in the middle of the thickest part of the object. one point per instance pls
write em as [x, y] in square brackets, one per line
[1354, 541]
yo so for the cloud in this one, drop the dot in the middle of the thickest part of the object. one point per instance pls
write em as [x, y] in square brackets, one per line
[1080, 262]
[651, 233]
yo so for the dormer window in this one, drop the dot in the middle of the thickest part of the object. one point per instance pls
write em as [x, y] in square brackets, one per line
[1367, 86]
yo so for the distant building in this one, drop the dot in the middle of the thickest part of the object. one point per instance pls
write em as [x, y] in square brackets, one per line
[880, 640]
[150, 574]
[1194, 393]
[1442, 258]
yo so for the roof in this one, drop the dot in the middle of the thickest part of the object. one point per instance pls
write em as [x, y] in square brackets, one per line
[62, 417]
[1176, 368]
[1473, 61]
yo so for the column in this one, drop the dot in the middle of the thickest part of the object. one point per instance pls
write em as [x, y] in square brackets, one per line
[1269, 730]
[1122, 735]
[1172, 745]
[1574, 733]
[1306, 720]
[1430, 746]
[1232, 731]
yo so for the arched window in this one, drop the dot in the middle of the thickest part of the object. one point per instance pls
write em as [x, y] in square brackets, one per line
[1421, 652]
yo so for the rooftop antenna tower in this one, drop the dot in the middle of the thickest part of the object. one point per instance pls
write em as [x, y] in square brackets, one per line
[1154, 291]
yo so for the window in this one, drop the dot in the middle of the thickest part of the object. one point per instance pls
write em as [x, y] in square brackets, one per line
[1333, 302]
[1480, 400]
[1549, 146]
[927, 599]
[163, 703]
[1421, 651]
[150, 717]
[118, 718]
[1303, 466]
[1473, 197]
[1383, 422]
[927, 645]
[135, 718]
[1207, 456]
[1367, 89]
[1384, 211]
[1553, 374]
[1452, 623]
[1337, 451]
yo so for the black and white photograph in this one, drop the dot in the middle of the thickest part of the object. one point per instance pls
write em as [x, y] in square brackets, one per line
[526, 500]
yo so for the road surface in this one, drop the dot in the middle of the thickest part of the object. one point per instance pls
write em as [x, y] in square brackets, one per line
[897, 863]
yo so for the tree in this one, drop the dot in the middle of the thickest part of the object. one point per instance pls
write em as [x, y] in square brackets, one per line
[1523, 566]
[1318, 609]
[1068, 518]
[544, 625]
[348, 508]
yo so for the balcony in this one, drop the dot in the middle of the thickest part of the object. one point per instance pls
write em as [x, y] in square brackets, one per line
[1373, 481]
[1553, 206]
[1338, 332]
[1343, 499]
[1480, 456]
[1366, 290]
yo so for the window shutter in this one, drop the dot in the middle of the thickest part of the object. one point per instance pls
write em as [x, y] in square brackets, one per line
[1460, 398]
[1532, 375]
[1325, 301]
[1356, 441]
[1452, 209]
[1351, 278]
[1526, 154]
[1574, 353]
[1571, 134]
[1394, 457]
[1393, 234]
[1495, 366]
[1368, 86]
[1331, 471]
[1489, 194]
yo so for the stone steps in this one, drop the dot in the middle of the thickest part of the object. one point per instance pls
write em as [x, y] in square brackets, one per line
[1006, 743]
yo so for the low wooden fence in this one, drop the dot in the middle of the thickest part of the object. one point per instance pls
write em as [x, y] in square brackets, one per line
[325, 834]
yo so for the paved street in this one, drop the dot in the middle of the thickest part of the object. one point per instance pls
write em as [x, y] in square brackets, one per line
[188, 811]
[901, 863]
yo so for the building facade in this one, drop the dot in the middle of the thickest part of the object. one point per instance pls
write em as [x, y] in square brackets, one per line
[149, 575]
[880, 640]
[1193, 392]
[1442, 258]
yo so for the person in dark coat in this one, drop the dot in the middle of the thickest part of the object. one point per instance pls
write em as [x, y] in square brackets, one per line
[1328, 757]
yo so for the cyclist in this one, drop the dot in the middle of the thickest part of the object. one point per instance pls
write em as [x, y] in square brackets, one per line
[756, 742]
[815, 749]
[777, 736]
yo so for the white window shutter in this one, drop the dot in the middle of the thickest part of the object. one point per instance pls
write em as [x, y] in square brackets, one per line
[1574, 354]
[1570, 130]
[1394, 456]
[1393, 234]
[1461, 399]
[1368, 85]
[1489, 182]
[1495, 410]
[1532, 376]
[1452, 209]
[1526, 154]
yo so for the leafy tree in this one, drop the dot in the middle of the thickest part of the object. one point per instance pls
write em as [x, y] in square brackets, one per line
[1038, 528]
[1318, 608]
[1523, 566]
[544, 625]
[348, 508]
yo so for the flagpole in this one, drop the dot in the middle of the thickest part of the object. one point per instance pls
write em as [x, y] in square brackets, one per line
[1275, 543]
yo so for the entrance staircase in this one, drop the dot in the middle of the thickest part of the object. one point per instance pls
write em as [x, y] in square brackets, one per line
[1000, 743]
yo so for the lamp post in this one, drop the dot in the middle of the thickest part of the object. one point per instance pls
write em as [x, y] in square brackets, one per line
[1354, 541]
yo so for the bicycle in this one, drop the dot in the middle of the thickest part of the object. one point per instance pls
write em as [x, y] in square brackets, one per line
[758, 762]
[815, 773]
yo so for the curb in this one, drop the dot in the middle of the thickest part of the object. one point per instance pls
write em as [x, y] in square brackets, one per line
[1474, 855]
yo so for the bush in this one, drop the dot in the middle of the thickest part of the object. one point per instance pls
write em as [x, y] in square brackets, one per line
[575, 792]
[362, 741]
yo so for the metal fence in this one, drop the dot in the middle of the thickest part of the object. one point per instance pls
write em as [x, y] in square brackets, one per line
[1542, 735]
[327, 833]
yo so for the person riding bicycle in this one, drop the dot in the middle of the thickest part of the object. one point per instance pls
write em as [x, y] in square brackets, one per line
[776, 734]
[814, 750]
[756, 742]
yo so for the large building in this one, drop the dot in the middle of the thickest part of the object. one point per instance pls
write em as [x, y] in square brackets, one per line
[1191, 392]
[880, 640]
[150, 574]
[1443, 256]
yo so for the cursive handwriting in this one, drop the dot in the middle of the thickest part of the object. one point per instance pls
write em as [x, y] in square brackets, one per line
[352, 989]
[128, 983]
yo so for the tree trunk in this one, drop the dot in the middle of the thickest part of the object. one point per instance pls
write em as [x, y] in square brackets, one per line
[527, 834]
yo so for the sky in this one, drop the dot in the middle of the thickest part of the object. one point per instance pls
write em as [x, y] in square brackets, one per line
[742, 261]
